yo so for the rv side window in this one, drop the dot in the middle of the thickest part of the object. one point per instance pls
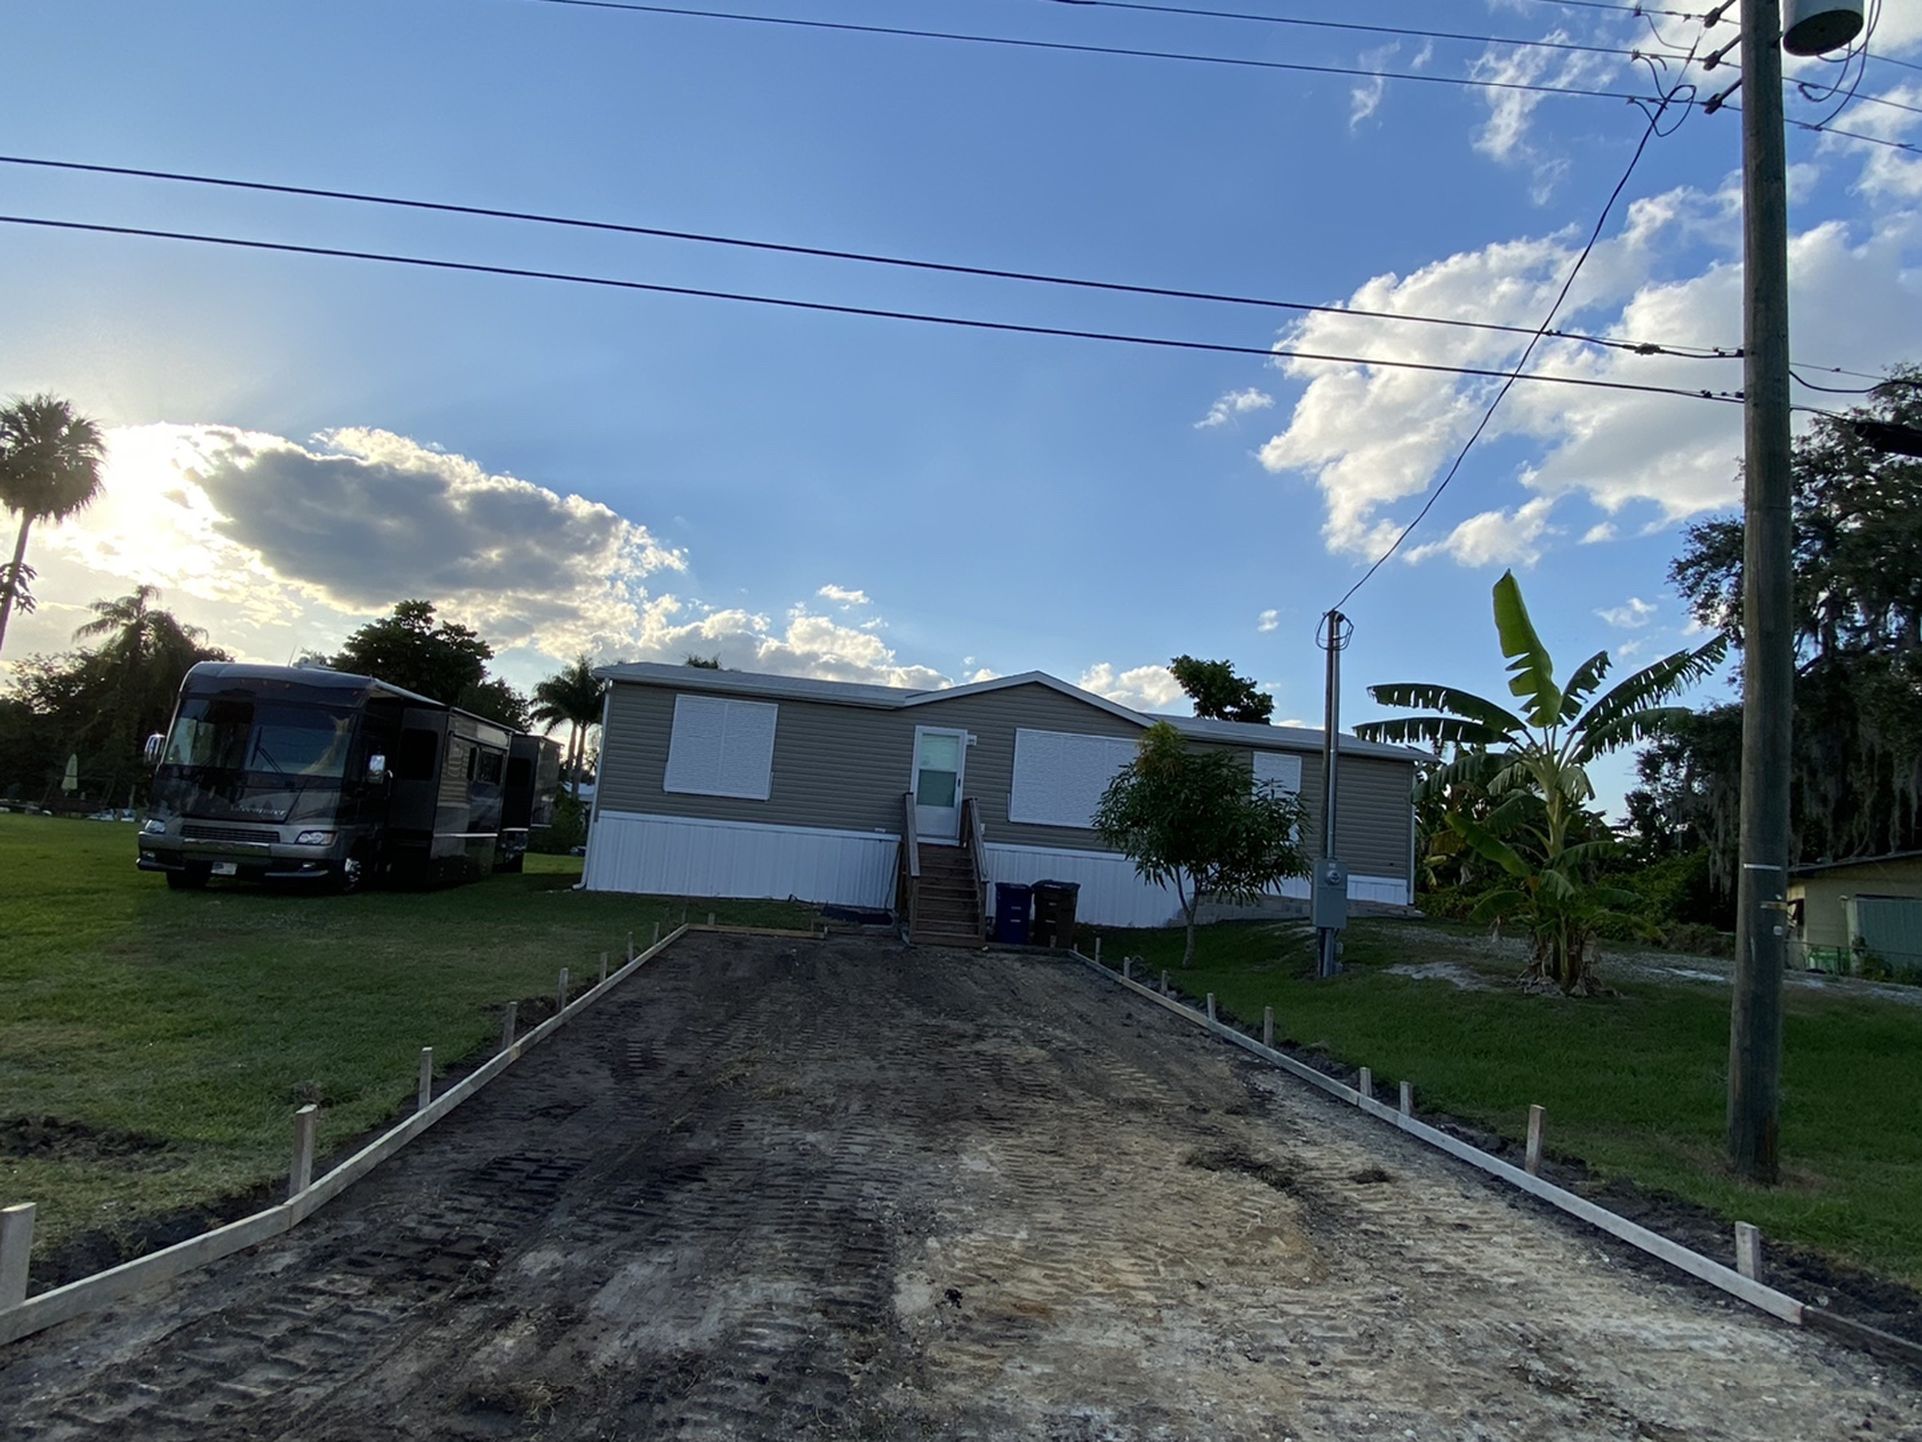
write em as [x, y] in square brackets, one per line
[488, 768]
[416, 759]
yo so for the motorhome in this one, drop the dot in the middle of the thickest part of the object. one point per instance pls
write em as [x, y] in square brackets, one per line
[305, 775]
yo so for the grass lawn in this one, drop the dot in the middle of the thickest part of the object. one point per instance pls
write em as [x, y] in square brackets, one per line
[1634, 1085]
[169, 1034]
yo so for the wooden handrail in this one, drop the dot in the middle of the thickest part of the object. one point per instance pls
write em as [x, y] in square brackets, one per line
[977, 836]
[910, 858]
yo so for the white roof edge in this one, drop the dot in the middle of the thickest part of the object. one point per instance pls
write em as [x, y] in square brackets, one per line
[1256, 735]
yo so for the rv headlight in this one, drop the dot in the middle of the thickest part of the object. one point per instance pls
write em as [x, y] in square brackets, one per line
[314, 838]
[153, 826]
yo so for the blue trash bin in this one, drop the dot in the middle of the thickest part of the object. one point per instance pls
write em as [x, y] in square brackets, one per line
[1011, 903]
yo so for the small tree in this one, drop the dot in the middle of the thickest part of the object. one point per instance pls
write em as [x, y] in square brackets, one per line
[1196, 820]
[1534, 767]
[1218, 693]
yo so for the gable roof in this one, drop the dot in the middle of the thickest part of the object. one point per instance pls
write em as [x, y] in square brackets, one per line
[892, 698]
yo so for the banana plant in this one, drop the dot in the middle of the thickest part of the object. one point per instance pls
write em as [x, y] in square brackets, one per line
[1541, 747]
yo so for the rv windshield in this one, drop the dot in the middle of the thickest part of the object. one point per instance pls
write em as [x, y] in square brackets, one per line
[306, 742]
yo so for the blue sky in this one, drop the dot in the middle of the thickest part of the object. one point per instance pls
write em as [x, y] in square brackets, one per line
[299, 442]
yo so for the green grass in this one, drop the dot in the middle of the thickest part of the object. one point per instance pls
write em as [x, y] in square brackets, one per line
[200, 1020]
[1634, 1085]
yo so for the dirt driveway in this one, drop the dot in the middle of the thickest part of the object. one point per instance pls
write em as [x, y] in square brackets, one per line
[779, 1190]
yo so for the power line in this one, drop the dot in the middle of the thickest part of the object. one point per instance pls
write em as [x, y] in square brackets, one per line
[1357, 27]
[831, 308]
[1299, 67]
[1625, 9]
[1073, 47]
[1595, 236]
[1691, 352]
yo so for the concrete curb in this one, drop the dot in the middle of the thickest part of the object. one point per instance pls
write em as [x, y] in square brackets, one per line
[88, 1294]
[1767, 1299]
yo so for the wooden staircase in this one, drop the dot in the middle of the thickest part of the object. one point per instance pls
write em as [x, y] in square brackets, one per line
[947, 909]
[939, 888]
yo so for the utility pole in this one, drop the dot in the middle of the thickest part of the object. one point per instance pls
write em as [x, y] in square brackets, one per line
[1328, 892]
[1768, 621]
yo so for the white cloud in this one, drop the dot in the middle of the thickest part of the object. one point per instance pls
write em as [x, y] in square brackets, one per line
[1267, 621]
[843, 596]
[1631, 615]
[1234, 403]
[1365, 99]
[1630, 648]
[1372, 437]
[1599, 532]
[1494, 538]
[1146, 688]
[278, 547]
[976, 677]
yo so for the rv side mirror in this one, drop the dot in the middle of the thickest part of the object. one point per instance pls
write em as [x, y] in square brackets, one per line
[156, 743]
[377, 767]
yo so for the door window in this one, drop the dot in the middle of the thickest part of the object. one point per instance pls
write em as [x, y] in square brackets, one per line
[937, 770]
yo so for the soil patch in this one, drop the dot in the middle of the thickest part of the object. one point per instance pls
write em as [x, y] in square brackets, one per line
[55, 1138]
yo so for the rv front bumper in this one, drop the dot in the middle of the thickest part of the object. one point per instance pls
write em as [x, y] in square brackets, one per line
[255, 862]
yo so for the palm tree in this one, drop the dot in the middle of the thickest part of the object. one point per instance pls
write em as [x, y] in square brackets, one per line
[49, 468]
[571, 696]
[149, 652]
[1541, 756]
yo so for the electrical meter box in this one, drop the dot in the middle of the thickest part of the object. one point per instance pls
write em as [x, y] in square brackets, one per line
[1328, 895]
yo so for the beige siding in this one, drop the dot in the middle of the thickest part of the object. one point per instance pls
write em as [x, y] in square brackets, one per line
[847, 767]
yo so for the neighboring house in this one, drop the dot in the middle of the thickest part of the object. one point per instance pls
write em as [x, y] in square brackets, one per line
[722, 783]
[1865, 906]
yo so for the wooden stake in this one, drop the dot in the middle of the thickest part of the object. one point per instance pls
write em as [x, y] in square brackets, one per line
[1748, 1251]
[1367, 1087]
[1211, 1006]
[1408, 1099]
[1127, 967]
[1532, 1162]
[630, 943]
[508, 1019]
[710, 918]
[300, 1175]
[16, 1246]
[603, 980]
[426, 1077]
[657, 936]
[1097, 951]
[560, 992]
[1268, 1026]
[1164, 983]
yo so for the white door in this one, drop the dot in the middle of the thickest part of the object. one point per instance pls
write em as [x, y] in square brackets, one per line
[939, 758]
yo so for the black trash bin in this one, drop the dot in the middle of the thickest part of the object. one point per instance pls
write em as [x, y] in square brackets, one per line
[1011, 903]
[1054, 905]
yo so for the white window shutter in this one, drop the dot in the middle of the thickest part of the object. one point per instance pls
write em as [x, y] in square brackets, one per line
[1059, 776]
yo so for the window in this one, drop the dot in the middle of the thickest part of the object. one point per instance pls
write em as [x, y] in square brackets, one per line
[1281, 768]
[417, 751]
[721, 748]
[1059, 776]
[275, 738]
[487, 769]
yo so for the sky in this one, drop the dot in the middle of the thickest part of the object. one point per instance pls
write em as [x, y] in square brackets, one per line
[298, 442]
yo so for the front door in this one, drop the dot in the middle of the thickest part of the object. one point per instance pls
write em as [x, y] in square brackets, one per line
[939, 757]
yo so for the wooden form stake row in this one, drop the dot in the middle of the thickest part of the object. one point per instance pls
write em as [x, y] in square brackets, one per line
[1728, 1279]
[21, 1316]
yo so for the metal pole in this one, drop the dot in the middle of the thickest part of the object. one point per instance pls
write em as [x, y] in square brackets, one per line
[1768, 619]
[1327, 938]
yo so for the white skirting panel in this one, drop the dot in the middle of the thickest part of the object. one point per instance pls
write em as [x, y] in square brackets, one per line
[685, 856]
[1113, 895]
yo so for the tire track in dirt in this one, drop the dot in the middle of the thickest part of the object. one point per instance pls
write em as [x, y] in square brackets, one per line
[845, 1190]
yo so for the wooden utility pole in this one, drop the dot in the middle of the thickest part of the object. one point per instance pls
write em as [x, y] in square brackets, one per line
[1328, 917]
[1768, 620]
